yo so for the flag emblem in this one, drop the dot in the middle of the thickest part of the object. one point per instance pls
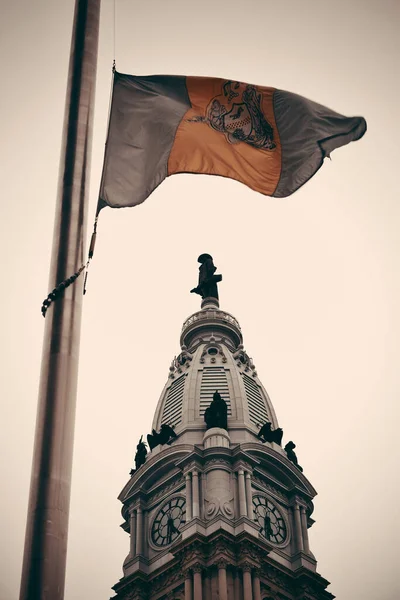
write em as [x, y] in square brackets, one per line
[237, 112]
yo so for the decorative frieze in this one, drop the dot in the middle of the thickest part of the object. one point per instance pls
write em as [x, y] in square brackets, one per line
[160, 492]
[268, 487]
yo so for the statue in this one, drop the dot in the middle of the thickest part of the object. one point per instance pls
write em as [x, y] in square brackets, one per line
[165, 436]
[266, 434]
[207, 280]
[140, 456]
[289, 449]
[216, 414]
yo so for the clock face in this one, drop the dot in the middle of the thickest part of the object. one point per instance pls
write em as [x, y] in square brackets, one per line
[168, 521]
[270, 520]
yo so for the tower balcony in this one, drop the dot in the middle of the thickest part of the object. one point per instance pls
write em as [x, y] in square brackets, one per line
[211, 318]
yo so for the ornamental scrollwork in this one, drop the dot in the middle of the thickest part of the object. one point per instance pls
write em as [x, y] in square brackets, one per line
[215, 505]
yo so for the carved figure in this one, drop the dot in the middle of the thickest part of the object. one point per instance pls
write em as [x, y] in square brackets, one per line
[216, 415]
[291, 454]
[184, 356]
[140, 456]
[266, 434]
[207, 286]
[165, 436]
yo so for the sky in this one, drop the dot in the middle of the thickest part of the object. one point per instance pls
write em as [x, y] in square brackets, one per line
[312, 278]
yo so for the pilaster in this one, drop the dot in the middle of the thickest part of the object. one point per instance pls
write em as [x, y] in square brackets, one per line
[197, 581]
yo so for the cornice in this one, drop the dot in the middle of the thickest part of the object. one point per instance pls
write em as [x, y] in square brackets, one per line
[285, 470]
[163, 459]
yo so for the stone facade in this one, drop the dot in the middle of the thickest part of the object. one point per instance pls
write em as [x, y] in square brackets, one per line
[217, 514]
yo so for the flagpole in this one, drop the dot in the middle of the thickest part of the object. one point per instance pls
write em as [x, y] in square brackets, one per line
[45, 552]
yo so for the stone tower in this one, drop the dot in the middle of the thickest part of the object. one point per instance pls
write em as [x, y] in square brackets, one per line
[217, 513]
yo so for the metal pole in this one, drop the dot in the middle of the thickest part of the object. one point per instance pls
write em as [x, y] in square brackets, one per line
[45, 553]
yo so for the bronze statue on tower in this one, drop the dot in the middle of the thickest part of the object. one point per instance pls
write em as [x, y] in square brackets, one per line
[207, 287]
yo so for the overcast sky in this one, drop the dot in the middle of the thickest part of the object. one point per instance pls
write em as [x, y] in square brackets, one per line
[313, 278]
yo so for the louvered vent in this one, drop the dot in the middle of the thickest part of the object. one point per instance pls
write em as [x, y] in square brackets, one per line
[257, 410]
[214, 378]
[172, 413]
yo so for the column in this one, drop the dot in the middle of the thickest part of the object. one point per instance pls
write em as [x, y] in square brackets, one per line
[139, 531]
[222, 585]
[198, 592]
[132, 528]
[195, 489]
[297, 528]
[145, 548]
[249, 497]
[188, 497]
[238, 594]
[203, 491]
[242, 494]
[207, 585]
[256, 586]
[303, 515]
[247, 591]
[188, 585]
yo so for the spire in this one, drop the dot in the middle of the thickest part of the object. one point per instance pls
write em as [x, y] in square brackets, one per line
[213, 359]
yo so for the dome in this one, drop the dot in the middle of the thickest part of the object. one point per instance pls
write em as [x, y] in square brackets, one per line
[213, 358]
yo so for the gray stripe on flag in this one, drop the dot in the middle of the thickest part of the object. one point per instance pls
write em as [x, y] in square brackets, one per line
[308, 132]
[145, 115]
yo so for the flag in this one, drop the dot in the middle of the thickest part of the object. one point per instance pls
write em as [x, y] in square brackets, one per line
[271, 140]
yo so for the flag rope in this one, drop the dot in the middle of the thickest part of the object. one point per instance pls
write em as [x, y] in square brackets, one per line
[94, 234]
[91, 252]
[114, 28]
[61, 287]
[59, 290]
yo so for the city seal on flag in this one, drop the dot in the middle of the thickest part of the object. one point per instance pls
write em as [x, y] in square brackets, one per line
[237, 113]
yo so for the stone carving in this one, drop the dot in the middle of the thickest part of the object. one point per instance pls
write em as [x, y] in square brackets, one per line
[140, 456]
[138, 591]
[166, 489]
[207, 287]
[216, 415]
[197, 568]
[219, 496]
[184, 357]
[243, 359]
[205, 354]
[290, 453]
[213, 506]
[266, 434]
[182, 360]
[220, 462]
[166, 435]
[168, 578]
[267, 487]
[277, 577]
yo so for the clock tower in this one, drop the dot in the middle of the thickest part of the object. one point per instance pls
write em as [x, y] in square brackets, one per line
[218, 507]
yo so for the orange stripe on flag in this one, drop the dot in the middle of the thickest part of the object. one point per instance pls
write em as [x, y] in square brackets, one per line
[224, 133]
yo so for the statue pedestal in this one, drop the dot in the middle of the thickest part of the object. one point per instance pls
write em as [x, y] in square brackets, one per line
[210, 302]
[216, 437]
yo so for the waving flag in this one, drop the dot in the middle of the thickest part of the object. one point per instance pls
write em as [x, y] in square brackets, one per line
[271, 140]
